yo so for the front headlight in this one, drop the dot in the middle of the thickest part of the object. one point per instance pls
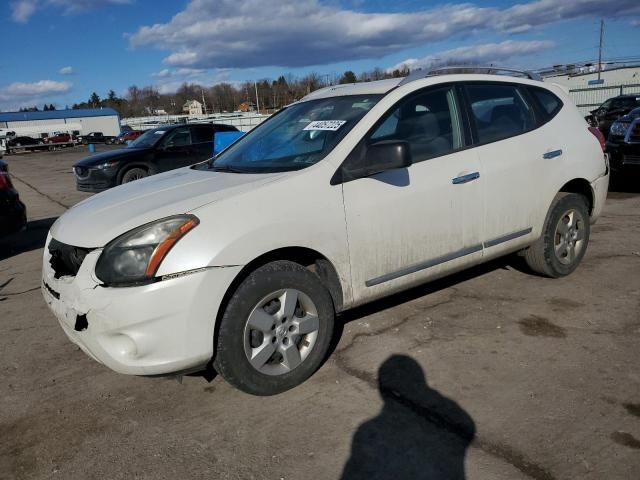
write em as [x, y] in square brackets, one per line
[619, 129]
[134, 257]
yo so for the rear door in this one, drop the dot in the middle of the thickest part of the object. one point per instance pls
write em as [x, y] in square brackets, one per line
[175, 150]
[512, 153]
[202, 142]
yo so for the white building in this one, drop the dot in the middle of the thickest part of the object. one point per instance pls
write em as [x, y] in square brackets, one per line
[610, 76]
[588, 93]
[75, 122]
[192, 107]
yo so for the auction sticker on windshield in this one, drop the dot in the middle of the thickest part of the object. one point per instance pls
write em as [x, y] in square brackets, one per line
[330, 125]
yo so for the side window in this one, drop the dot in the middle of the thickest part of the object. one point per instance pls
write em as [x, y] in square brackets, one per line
[428, 121]
[549, 103]
[202, 134]
[499, 111]
[178, 138]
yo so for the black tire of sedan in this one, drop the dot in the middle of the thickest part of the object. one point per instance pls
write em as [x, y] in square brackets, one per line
[275, 330]
[565, 237]
[133, 174]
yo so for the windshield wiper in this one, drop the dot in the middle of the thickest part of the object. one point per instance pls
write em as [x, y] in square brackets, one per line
[226, 168]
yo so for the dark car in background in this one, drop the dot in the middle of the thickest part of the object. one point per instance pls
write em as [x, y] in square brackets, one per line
[24, 141]
[623, 143]
[612, 109]
[96, 137]
[13, 213]
[157, 150]
[128, 136]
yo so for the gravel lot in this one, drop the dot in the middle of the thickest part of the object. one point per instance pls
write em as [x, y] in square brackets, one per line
[490, 374]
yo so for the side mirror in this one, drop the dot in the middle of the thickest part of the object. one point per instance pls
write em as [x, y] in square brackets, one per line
[387, 155]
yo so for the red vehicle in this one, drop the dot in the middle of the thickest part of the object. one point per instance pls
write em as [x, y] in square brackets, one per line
[129, 136]
[60, 138]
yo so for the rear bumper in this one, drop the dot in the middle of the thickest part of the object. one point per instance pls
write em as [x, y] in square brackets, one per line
[599, 187]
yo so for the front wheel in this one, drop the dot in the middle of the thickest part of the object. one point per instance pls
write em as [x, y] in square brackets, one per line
[276, 329]
[564, 239]
[133, 174]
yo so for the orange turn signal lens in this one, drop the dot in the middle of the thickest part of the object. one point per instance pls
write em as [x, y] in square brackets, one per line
[163, 248]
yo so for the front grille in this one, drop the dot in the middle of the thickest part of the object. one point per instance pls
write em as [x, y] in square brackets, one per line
[82, 172]
[66, 259]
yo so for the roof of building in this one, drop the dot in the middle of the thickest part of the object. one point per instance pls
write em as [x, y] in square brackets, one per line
[56, 114]
[188, 103]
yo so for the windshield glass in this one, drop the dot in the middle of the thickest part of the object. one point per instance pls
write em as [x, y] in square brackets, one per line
[148, 139]
[296, 137]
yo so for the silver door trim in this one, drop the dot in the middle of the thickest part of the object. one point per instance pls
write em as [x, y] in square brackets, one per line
[423, 265]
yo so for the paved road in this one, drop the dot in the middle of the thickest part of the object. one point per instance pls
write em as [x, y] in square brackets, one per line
[491, 374]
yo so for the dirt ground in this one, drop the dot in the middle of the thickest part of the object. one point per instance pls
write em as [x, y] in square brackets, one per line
[491, 374]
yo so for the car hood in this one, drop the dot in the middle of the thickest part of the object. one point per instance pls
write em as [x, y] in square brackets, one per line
[99, 219]
[100, 158]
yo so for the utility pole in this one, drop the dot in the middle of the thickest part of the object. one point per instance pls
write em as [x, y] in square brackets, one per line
[600, 49]
[255, 84]
[204, 102]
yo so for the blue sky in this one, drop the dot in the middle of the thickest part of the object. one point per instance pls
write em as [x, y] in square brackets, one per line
[59, 51]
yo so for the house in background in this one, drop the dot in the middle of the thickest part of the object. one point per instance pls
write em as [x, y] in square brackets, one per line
[192, 107]
[247, 107]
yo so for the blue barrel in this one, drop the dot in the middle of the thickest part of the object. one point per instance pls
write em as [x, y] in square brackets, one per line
[92, 148]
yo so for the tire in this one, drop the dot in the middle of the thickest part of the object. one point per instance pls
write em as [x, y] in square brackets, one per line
[560, 249]
[133, 174]
[270, 314]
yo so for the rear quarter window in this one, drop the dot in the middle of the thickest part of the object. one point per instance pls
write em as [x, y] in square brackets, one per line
[548, 103]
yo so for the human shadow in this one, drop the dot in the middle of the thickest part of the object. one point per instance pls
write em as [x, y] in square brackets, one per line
[419, 434]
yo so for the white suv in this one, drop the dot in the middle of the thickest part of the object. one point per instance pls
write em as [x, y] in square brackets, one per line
[353, 193]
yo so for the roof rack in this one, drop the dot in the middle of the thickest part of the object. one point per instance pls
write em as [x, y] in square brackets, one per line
[490, 70]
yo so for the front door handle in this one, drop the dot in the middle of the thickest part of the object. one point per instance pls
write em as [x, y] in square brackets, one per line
[552, 154]
[468, 177]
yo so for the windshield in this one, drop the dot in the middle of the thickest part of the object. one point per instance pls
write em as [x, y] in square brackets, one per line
[296, 137]
[148, 139]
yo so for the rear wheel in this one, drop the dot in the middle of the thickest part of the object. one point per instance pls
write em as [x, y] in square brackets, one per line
[276, 329]
[133, 174]
[565, 237]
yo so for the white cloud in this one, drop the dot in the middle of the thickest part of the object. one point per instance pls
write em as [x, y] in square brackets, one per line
[23, 10]
[19, 94]
[294, 33]
[180, 72]
[41, 88]
[482, 54]
[68, 70]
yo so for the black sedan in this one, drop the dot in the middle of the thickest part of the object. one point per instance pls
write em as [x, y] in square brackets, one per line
[623, 143]
[157, 150]
[13, 213]
[24, 141]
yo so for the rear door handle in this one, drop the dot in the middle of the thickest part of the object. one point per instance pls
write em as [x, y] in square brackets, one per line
[468, 177]
[552, 154]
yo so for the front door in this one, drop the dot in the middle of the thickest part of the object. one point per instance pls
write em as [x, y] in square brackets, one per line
[408, 225]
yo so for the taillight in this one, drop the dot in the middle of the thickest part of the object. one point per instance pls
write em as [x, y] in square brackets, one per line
[5, 181]
[598, 134]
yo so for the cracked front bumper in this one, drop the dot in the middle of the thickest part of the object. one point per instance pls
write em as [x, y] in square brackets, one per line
[161, 328]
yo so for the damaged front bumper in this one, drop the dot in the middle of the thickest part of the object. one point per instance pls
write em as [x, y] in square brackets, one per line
[160, 328]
